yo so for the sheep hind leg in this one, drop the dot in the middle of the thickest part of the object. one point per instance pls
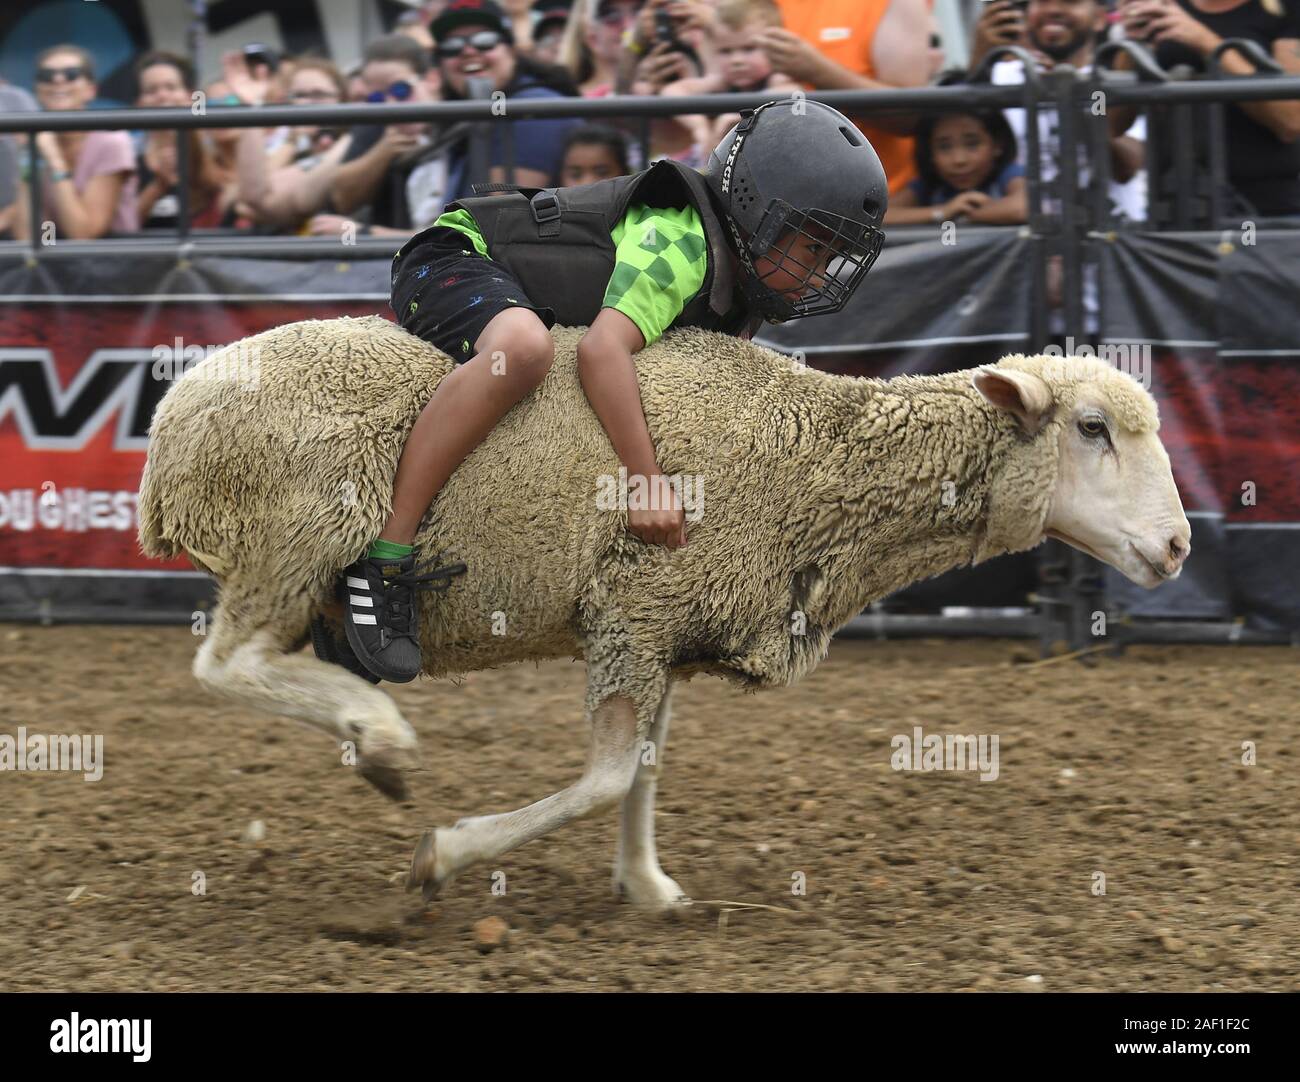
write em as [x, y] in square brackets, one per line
[249, 660]
[611, 765]
[638, 878]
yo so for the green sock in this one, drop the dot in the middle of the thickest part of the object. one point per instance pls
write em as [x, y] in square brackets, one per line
[389, 550]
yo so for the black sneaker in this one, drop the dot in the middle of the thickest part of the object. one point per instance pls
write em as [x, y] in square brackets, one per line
[331, 645]
[379, 611]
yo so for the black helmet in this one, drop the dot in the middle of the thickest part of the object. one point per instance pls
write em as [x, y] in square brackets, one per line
[796, 168]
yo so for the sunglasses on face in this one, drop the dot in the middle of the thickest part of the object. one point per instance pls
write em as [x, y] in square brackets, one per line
[50, 75]
[482, 41]
[399, 91]
[316, 95]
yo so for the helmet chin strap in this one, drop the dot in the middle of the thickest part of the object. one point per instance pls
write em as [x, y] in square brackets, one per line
[769, 304]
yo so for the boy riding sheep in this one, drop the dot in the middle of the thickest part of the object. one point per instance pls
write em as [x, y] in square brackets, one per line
[784, 223]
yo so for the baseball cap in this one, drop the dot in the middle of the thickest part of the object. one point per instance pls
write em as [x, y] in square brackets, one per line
[551, 11]
[471, 13]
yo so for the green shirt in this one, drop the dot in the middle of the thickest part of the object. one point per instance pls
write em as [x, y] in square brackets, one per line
[660, 259]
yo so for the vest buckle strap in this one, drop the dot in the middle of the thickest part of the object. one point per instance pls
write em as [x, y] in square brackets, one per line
[546, 208]
[546, 212]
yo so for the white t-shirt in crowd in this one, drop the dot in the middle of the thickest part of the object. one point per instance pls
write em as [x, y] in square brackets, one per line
[426, 191]
[1128, 200]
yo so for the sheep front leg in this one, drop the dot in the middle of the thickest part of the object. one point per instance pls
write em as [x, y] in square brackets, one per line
[637, 875]
[253, 666]
[611, 765]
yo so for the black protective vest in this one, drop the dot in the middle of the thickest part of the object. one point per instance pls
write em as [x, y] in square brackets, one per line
[557, 243]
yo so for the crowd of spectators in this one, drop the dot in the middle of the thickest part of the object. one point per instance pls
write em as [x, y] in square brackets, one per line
[396, 178]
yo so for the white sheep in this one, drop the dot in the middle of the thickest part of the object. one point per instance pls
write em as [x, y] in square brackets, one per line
[813, 495]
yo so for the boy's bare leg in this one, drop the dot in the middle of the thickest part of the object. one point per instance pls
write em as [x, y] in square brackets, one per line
[464, 409]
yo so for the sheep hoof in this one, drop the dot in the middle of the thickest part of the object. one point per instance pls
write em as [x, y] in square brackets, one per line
[655, 891]
[387, 779]
[423, 873]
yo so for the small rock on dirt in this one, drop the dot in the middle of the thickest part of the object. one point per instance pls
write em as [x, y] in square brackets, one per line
[490, 933]
[255, 832]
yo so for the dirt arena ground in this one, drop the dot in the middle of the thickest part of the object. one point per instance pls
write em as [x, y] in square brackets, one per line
[914, 881]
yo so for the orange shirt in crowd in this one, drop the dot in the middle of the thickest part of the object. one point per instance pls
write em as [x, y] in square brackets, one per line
[842, 31]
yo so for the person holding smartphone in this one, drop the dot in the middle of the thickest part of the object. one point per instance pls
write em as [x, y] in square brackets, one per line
[1263, 137]
[1068, 32]
[385, 167]
[1001, 22]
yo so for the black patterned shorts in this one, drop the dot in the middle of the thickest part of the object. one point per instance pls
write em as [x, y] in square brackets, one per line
[446, 293]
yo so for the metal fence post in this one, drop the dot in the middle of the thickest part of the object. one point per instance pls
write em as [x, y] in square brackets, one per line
[479, 160]
[36, 192]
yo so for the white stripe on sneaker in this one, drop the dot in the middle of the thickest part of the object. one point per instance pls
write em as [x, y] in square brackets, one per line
[362, 618]
[362, 600]
[358, 584]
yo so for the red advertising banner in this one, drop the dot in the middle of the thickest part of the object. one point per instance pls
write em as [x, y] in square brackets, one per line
[78, 384]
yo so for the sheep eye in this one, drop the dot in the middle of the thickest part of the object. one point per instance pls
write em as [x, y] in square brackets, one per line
[1092, 428]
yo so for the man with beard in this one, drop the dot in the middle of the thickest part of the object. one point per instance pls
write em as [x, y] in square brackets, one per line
[1067, 32]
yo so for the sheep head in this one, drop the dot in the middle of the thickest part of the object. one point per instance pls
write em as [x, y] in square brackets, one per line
[1113, 495]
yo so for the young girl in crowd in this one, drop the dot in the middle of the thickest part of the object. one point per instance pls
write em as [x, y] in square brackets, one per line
[166, 80]
[967, 169]
[591, 153]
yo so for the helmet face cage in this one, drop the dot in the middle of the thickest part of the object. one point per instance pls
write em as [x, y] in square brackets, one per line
[825, 165]
[827, 256]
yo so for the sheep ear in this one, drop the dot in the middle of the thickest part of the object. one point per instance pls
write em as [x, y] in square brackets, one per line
[1022, 394]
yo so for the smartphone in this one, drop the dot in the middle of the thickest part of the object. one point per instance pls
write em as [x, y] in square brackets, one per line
[664, 27]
